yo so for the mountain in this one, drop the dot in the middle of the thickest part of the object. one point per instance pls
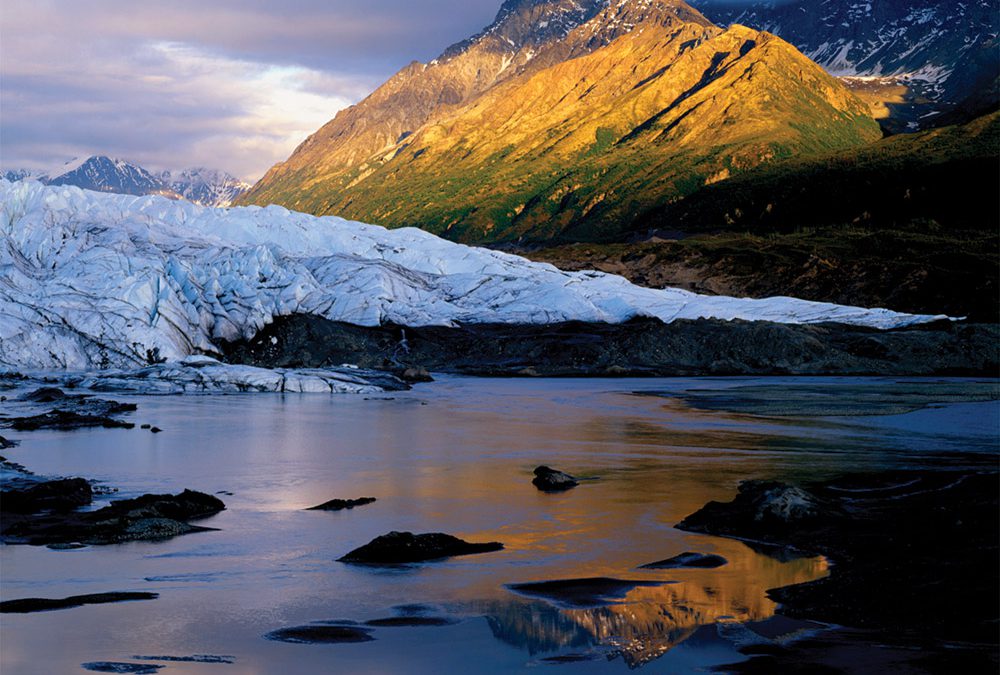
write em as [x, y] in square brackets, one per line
[566, 119]
[910, 222]
[946, 51]
[207, 187]
[105, 174]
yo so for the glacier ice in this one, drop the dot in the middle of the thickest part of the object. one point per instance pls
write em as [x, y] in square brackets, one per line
[94, 281]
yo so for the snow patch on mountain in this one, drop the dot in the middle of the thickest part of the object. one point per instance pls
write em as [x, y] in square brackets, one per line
[91, 280]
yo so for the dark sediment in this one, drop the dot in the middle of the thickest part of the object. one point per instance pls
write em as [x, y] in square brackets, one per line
[28, 605]
[551, 480]
[149, 517]
[406, 547]
[639, 347]
[687, 559]
[321, 634]
[591, 592]
[914, 556]
[341, 504]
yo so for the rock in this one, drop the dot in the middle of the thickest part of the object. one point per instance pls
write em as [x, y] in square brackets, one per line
[65, 420]
[590, 592]
[688, 559]
[416, 374]
[341, 504]
[118, 667]
[406, 547]
[55, 495]
[47, 395]
[6, 444]
[761, 508]
[156, 430]
[411, 622]
[196, 658]
[550, 480]
[145, 426]
[321, 634]
[28, 605]
[149, 517]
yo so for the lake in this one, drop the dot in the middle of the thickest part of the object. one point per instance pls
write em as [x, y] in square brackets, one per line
[457, 456]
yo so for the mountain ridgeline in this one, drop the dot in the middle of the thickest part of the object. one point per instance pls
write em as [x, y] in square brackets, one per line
[568, 120]
[206, 187]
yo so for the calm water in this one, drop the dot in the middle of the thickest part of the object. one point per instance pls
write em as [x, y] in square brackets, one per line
[454, 456]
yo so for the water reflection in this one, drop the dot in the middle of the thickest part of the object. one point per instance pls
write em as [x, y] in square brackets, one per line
[652, 620]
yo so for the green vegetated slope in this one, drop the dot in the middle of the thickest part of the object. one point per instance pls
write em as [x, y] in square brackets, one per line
[641, 103]
[911, 222]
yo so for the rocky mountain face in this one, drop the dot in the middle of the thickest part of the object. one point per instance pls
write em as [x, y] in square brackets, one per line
[105, 174]
[206, 187]
[566, 120]
[947, 51]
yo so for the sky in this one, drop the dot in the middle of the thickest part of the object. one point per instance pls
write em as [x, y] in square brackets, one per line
[228, 84]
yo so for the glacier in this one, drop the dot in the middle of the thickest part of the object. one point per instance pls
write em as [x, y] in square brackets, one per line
[95, 281]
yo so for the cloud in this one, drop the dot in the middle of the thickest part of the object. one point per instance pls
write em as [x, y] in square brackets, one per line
[228, 84]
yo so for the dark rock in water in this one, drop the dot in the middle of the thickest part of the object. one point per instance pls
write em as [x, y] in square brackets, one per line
[28, 605]
[550, 480]
[156, 430]
[762, 510]
[411, 621]
[145, 426]
[117, 667]
[149, 517]
[416, 374]
[913, 551]
[590, 592]
[688, 559]
[406, 547]
[55, 495]
[66, 547]
[321, 634]
[48, 395]
[6, 444]
[573, 658]
[66, 420]
[197, 658]
[341, 504]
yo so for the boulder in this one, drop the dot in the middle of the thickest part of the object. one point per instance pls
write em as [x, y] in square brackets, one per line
[688, 559]
[406, 547]
[341, 504]
[551, 480]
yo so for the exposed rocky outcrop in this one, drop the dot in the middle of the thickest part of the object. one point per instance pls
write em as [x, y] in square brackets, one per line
[636, 348]
[687, 559]
[27, 605]
[149, 517]
[591, 592]
[406, 547]
[321, 634]
[911, 551]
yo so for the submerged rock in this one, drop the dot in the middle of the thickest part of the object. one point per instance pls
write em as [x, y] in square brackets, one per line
[341, 504]
[411, 621]
[29, 605]
[196, 658]
[406, 547]
[589, 592]
[63, 494]
[687, 559]
[119, 667]
[148, 517]
[550, 480]
[321, 634]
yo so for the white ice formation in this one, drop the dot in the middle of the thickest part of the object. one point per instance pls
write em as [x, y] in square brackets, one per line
[91, 280]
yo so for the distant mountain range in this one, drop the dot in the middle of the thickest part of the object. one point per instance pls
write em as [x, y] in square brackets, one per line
[946, 50]
[566, 119]
[207, 187]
